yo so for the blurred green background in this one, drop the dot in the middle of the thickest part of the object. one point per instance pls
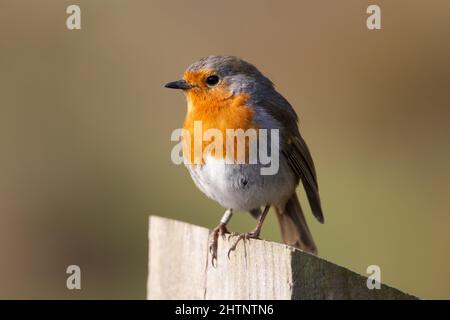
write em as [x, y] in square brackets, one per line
[85, 128]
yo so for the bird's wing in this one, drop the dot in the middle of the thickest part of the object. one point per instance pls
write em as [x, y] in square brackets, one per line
[296, 151]
[300, 160]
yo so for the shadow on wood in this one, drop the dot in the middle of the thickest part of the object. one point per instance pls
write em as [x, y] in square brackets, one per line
[180, 268]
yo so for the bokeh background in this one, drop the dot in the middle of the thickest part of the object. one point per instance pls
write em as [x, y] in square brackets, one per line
[85, 128]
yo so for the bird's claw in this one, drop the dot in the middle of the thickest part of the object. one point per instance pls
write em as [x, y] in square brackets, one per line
[213, 242]
[244, 236]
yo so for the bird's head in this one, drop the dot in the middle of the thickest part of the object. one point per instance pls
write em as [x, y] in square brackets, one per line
[218, 78]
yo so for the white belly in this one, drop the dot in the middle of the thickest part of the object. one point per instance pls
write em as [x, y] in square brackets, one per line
[241, 186]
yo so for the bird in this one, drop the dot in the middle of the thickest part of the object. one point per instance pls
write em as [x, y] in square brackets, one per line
[227, 92]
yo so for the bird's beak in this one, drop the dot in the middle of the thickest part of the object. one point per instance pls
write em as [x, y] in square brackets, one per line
[179, 84]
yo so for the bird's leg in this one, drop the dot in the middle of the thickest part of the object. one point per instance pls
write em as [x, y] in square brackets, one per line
[221, 230]
[253, 234]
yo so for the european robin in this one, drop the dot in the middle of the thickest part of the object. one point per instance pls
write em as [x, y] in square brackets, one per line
[226, 92]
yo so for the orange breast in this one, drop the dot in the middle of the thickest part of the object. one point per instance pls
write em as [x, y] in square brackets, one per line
[216, 109]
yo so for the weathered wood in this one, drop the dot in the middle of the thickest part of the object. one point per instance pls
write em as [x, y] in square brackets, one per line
[180, 268]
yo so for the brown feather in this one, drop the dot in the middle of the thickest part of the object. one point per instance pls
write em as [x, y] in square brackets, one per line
[294, 230]
[296, 151]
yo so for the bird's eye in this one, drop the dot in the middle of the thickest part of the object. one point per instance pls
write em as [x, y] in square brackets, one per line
[212, 80]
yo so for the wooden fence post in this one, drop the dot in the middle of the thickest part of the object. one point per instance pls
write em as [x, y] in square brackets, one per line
[180, 268]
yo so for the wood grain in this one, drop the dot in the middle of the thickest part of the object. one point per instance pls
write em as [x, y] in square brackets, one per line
[180, 268]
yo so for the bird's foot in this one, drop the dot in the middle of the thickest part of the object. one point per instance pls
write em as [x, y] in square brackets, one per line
[244, 236]
[220, 230]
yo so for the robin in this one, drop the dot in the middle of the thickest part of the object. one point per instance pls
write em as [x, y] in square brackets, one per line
[226, 92]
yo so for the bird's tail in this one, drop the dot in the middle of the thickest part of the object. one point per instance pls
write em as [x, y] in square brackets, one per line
[294, 229]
